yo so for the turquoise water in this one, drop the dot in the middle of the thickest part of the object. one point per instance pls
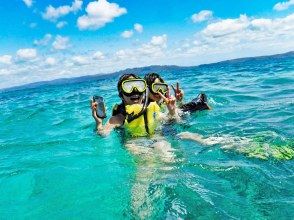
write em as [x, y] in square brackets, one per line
[54, 166]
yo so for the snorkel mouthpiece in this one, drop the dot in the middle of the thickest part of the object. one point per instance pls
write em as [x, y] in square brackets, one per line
[144, 108]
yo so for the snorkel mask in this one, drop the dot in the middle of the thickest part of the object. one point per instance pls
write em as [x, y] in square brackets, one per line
[125, 77]
[159, 88]
[133, 86]
[156, 83]
[130, 84]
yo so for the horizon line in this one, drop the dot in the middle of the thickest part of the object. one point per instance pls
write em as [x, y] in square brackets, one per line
[47, 82]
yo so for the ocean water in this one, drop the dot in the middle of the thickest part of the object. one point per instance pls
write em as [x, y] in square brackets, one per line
[54, 166]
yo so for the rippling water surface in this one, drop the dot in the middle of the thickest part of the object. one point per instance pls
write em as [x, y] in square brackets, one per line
[53, 165]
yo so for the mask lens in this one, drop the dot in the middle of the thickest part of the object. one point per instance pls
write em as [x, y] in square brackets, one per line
[159, 87]
[140, 85]
[129, 85]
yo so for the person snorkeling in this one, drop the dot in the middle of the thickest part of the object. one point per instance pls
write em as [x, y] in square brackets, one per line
[139, 116]
[157, 86]
[159, 91]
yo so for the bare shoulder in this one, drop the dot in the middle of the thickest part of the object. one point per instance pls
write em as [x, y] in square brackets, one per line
[117, 119]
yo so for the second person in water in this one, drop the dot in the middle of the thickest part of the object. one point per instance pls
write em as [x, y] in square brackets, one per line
[157, 86]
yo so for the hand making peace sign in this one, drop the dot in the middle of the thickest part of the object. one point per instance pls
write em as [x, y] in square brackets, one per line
[179, 94]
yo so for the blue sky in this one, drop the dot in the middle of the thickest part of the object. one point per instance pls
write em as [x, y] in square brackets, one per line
[49, 39]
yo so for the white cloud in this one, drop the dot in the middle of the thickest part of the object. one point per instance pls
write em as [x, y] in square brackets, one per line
[127, 34]
[202, 16]
[98, 55]
[99, 13]
[61, 24]
[124, 54]
[4, 72]
[6, 59]
[50, 61]
[283, 5]
[20, 73]
[76, 5]
[153, 49]
[81, 60]
[250, 36]
[239, 37]
[226, 26]
[149, 53]
[261, 23]
[28, 3]
[27, 54]
[159, 40]
[138, 28]
[60, 43]
[52, 14]
[44, 41]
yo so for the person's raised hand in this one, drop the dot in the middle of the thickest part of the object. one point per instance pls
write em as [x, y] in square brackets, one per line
[93, 106]
[179, 94]
[170, 101]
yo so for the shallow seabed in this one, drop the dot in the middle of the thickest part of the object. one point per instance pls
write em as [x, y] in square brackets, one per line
[53, 165]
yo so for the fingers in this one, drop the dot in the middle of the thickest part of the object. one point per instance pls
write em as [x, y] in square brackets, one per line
[167, 93]
[164, 98]
[169, 100]
[93, 105]
[175, 91]
[178, 92]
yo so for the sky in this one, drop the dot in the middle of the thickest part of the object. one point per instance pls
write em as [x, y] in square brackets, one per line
[50, 39]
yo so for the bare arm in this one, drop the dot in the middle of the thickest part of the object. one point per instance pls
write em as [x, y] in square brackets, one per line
[114, 121]
[192, 136]
[209, 141]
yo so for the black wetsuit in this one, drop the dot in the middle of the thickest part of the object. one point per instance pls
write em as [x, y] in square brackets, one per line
[197, 104]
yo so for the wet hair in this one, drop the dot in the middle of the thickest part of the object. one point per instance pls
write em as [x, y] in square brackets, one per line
[123, 78]
[151, 77]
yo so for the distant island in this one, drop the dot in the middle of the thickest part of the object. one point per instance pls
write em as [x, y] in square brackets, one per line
[144, 70]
